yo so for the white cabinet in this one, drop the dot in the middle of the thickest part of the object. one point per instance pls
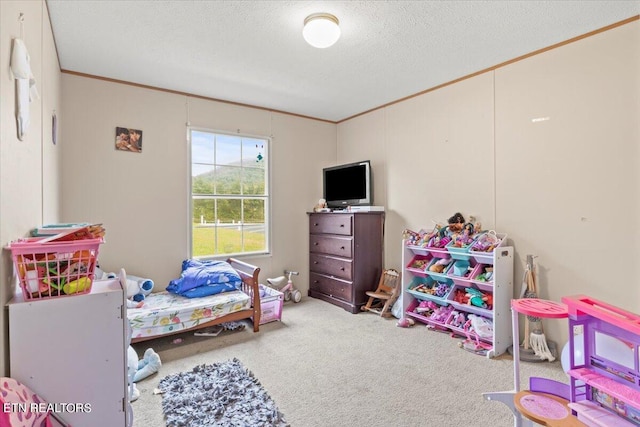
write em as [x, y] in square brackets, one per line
[72, 350]
[441, 299]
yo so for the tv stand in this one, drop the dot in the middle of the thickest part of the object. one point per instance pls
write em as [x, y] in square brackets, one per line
[345, 256]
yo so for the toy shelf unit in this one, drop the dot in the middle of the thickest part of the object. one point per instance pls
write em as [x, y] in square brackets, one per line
[453, 289]
[604, 353]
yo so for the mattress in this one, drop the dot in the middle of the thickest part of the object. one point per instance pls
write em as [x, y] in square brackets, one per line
[165, 313]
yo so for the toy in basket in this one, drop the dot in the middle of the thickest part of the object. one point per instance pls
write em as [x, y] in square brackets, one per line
[290, 292]
[487, 242]
[48, 269]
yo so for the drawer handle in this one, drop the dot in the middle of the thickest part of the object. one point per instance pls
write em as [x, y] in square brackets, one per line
[342, 268]
[316, 224]
[316, 281]
[342, 225]
[342, 247]
[315, 243]
[315, 262]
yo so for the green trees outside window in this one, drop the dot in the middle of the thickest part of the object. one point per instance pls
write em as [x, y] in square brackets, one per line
[229, 194]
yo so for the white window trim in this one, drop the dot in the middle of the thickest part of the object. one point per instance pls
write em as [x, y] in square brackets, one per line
[267, 219]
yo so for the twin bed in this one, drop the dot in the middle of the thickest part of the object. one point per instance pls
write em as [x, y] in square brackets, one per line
[166, 313]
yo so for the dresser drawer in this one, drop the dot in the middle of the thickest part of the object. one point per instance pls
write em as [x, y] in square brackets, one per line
[341, 246]
[331, 224]
[331, 266]
[329, 286]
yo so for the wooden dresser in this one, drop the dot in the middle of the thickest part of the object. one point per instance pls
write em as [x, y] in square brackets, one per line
[345, 256]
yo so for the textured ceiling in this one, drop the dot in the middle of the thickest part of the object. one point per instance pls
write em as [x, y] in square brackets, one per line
[252, 52]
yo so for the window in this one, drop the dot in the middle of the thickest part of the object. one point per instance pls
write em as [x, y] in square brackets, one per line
[229, 194]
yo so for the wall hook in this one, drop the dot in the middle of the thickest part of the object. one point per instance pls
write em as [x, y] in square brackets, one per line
[21, 20]
[530, 259]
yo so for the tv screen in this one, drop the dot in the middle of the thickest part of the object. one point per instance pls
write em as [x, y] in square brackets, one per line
[348, 185]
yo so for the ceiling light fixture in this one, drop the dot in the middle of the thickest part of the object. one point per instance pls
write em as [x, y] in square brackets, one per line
[321, 30]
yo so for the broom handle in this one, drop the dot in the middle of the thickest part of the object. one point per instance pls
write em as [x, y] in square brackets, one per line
[532, 290]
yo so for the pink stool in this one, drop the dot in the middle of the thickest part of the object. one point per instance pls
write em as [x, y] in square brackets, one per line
[547, 404]
[546, 409]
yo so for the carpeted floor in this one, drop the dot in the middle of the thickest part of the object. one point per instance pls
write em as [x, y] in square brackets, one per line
[326, 367]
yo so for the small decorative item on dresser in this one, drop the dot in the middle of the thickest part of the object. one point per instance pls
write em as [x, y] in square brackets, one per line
[321, 206]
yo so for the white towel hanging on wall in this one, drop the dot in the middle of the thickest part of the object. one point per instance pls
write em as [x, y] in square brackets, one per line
[25, 84]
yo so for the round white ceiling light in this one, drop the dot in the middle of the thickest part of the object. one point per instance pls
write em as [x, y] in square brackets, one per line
[321, 30]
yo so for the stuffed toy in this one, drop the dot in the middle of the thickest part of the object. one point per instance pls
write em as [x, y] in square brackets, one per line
[321, 206]
[138, 288]
[140, 369]
[150, 363]
[478, 298]
[405, 322]
[440, 265]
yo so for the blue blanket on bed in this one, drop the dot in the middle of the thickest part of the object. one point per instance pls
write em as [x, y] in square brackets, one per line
[203, 278]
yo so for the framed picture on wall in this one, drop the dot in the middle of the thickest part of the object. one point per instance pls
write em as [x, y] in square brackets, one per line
[128, 139]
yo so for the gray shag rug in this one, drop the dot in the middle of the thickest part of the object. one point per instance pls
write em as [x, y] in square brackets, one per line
[221, 394]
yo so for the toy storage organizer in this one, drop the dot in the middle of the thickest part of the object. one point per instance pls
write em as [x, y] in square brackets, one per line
[440, 299]
[54, 269]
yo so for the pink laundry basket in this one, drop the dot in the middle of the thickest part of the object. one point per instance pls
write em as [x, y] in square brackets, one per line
[54, 269]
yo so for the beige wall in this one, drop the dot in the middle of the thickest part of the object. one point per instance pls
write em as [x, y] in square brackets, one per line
[50, 89]
[142, 199]
[565, 189]
[28, 169]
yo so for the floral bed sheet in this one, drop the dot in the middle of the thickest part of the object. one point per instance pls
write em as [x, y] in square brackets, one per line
[165, 313]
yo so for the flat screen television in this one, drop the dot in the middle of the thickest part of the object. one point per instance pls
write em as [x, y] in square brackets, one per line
[348, 185]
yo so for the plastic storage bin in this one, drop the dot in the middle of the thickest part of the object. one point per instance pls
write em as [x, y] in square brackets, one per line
[439, 250]
[489, 240]
[481, 307]
[419, 264]
[430, 289]
[440, 276]
[461, 271]
[483, 275]
[271, 303]
[459, 252]
[54, 269]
